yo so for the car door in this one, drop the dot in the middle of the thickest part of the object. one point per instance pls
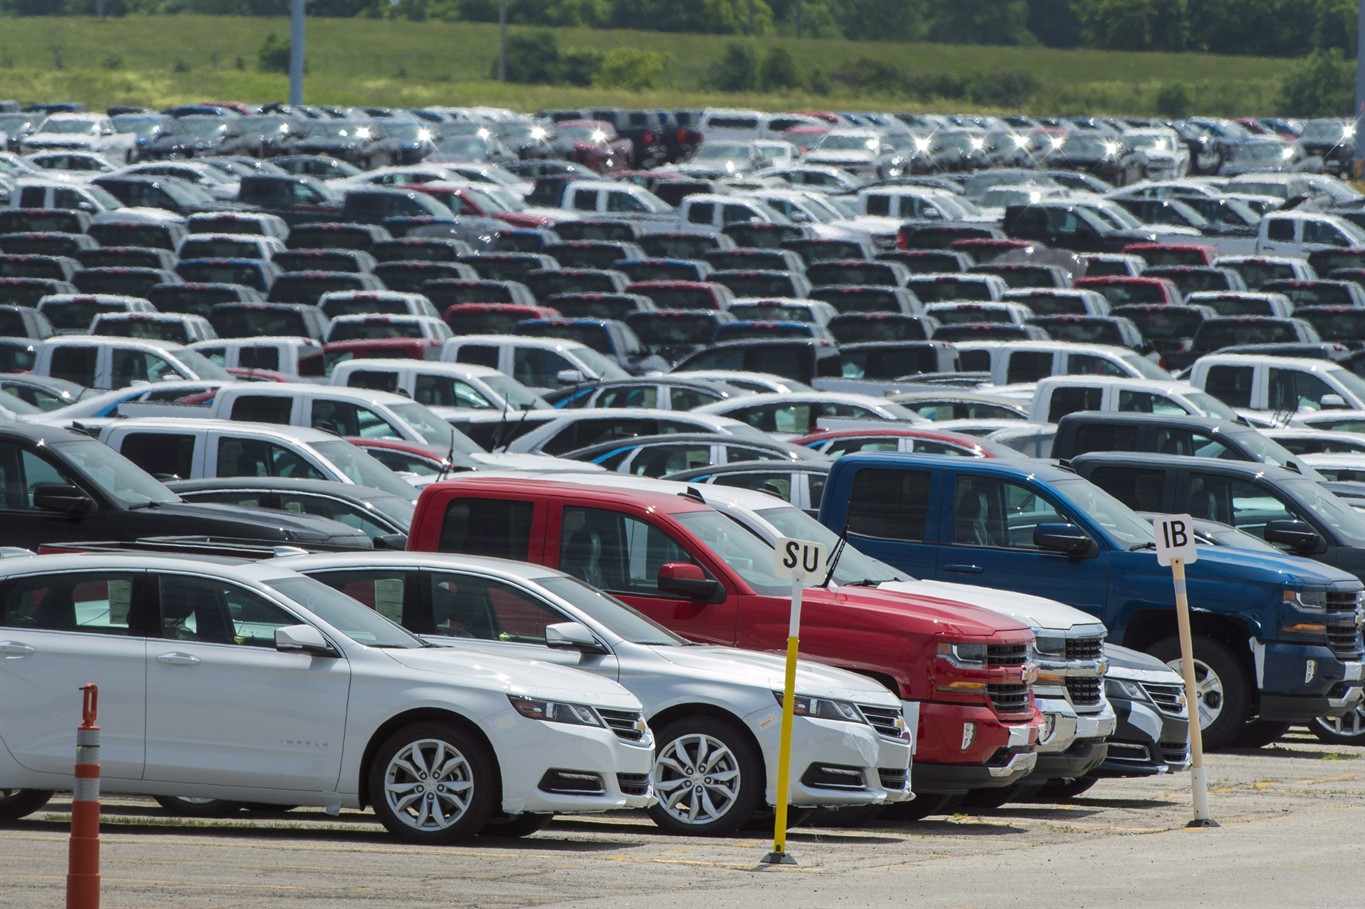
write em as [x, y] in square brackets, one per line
[224, 707]
[60, 631]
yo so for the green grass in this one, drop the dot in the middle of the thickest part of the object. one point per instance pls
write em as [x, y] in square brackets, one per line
[159, 61]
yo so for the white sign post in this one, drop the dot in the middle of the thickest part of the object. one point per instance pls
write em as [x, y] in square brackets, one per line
[1175, 547]
[798, 560]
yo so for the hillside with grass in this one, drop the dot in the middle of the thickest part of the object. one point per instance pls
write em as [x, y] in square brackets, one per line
[162, 60]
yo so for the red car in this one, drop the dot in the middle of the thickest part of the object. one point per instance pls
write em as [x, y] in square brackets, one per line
[471, 201]
[593, 144]
[1173, 253]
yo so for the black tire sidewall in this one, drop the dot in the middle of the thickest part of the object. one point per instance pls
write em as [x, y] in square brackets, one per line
[1222, 662]
[22, 802]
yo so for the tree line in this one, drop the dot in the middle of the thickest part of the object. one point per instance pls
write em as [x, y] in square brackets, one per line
[1271, 28]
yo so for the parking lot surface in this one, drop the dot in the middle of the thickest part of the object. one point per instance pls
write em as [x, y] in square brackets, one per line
[1291, 817]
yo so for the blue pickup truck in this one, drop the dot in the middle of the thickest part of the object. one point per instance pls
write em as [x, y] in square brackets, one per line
[1277, 638]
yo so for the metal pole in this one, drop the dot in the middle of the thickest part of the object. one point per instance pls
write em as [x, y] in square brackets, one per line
[503, 40]
[296, 53]
[1198, 775]
[1360, 89]
[779, 855]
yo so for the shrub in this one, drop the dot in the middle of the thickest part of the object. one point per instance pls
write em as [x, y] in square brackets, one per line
[579, 66]
[273, 57]
[1173, 101]
[629, 68]
[531, 58]
[1320, 85]
[778, 71]
[1003, 88]
[737, 70]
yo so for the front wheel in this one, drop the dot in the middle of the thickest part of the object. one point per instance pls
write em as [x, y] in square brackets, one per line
[433, 783]
[1056, 792]
[17, 803]
[187, 806]
[1341, 730]
[521, 825]
[1222, 689]
[991, 799]
[708, 776]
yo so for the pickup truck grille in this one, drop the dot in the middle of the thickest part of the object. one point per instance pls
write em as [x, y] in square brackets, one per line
[1083, 691]
[883, 719]
[1084, 649]
[1006, 654]
[1344, 641]
[625, 723]
[1168, 698]
[1008, 698]
[1343, 637]
[1341, 602]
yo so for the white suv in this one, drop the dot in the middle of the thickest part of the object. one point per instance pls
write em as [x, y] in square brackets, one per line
[251, 683]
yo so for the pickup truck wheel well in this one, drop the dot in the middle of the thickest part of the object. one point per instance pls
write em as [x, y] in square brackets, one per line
[1147, 628]
[681, 711]
[402, 720]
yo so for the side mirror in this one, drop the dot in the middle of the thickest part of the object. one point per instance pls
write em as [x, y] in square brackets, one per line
[397, 542]
[688, 580]
[69, 500]
[1067, 538]
[572, 636]
[570, 376]
[1297, 535]
[304, 639]
[1332, 402]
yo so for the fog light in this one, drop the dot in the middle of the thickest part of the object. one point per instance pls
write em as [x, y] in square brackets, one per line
[1310, 669]
[968, 735]
[1049, 727]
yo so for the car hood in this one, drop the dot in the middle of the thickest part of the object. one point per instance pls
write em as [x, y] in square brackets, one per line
[257, 523]
[1226, 564]
[871, 608]
[766, 670]
[517, 676]
[59, 140]
[537, 462]
[1138, 666]
[1036, 612]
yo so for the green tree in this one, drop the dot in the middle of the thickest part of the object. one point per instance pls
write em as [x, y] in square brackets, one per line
[978, 21]
[881, 20]
[1136, 25]
[273, 57]
[1320, 85]
[1173, 101]
[778, 71]
[630, 68]
[737, 69]
[707, 17]
[1054, 23]
[531, 58]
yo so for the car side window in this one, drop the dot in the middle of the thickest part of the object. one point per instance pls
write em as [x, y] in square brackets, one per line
[998, 514]
[75, 364]
[20, 472]
[386, 591]
[615, 552]
[344, 512]
[466, 605]
[91, 602]
[491, 527]
[1027, 366]
[889, 504]
[1280, 230]
[347, 419]
[1234, 501]
[261, 409]
[1292, 390]
[164, 455]
[210, 611]
[1139, 489]
[1102, 437]
[1067, 400]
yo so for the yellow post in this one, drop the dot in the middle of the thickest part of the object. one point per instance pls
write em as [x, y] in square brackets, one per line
[1198, 778]
[779, 854]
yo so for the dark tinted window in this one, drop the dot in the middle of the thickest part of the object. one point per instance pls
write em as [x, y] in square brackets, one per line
[889, 504]
[488, 527]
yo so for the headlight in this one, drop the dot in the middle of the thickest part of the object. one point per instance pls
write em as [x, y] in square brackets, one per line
[823, 708]
[1312, 600]
[964, 654]
[1122, 689]
[1049, 648]
[554, 711]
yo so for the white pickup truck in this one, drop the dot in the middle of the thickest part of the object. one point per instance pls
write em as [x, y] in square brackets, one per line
[80, 132]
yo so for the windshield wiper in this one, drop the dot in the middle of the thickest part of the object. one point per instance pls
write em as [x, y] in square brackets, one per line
[1139, 546]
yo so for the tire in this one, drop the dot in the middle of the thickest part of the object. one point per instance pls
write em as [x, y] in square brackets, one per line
[17, 803]
[185, 806]
[1342, 730]
[708, 775]
[991, 799]
[1223, 692]
[521, 825]
[1061, 791]
[918, 808]
[1259, 733]
[447, 805]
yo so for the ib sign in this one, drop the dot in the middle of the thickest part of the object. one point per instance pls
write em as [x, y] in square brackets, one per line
[1175, 539]
[802, 557]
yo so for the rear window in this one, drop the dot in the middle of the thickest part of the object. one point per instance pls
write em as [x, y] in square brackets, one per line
[484, 321]
[250, 323]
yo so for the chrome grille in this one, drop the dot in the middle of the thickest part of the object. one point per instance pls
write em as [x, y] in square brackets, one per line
[1083, 690]
[1168, 698]
[1084, 648]
[1008, 698]
[1341, 602]
[625, 723]
[1344, 641]
[883, 719]
[1006, 654]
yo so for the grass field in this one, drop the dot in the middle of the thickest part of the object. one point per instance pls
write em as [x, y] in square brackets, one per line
[158, 61]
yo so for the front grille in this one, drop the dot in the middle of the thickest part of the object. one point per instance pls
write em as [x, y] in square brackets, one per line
[1083, 691]
[1174, 752]
[1344, 641]
[572, 782]
[1168, 698]
[633, 783]
[1084, 649]
[833, 776]
[625, 723]
[1006, 654]
[1128, 751]
[883, 719]
[894, 780]
[1008, 698]
[1341, 602]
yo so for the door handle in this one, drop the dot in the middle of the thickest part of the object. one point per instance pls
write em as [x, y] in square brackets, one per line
[964, 569]
[15, 649]
[178, 659]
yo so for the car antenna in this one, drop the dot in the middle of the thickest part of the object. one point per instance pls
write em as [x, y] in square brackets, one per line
[834, 556]
[450, 458]
[497, 434]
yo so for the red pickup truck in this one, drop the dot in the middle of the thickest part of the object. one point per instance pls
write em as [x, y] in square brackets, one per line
[963, 672]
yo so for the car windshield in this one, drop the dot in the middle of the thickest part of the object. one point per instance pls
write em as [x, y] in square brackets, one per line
[432, 428]
[853, 566]
[1330, 510]
[203, 367]
[353, 619]
[204, 127]
[723, 151]
[611, 613]
[1153, 142]
[364, 470]
[138, 126]
[1116, 518]
[750, 557]
[1145, 367]
[604, 368]
[1210, 406]
[1120, 216]
[115, 476]
[847, 142]
[65, 127]
[517, 396]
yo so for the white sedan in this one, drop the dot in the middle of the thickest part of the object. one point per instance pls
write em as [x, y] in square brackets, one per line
[251, 683]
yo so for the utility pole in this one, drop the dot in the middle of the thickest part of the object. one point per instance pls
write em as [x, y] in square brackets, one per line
[1360, 89]
[502, 40]
[751, 17]
[296, 53]
[800, 10]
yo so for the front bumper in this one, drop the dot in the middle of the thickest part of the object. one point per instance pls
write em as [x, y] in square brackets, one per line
[562, 769]
[999, 754]
[1293, 691]
[1146, 742]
